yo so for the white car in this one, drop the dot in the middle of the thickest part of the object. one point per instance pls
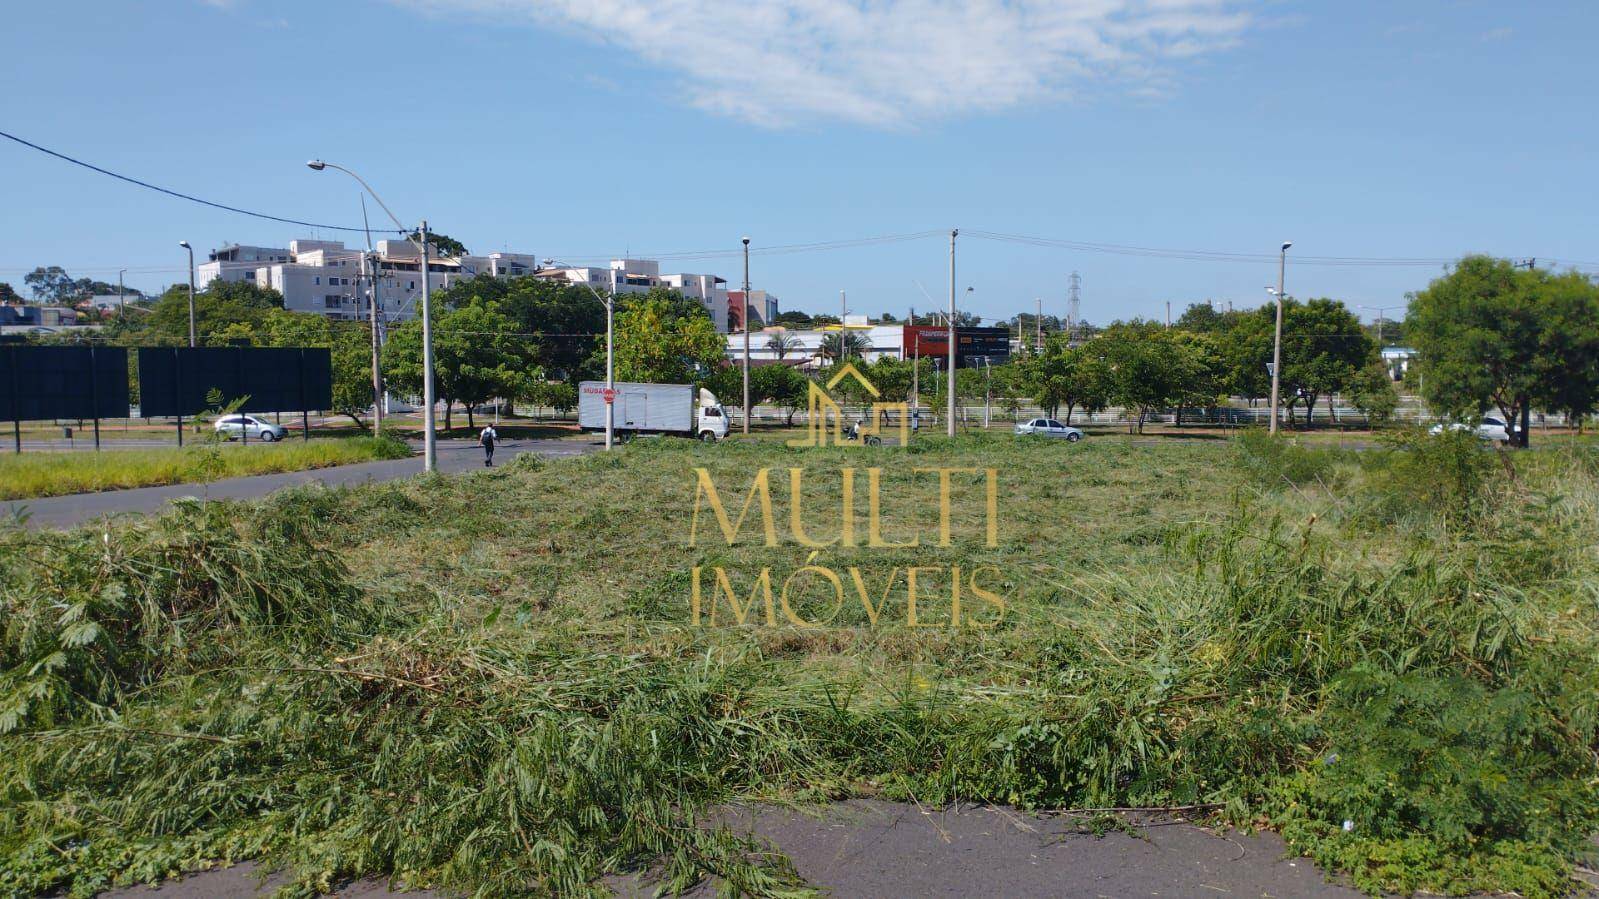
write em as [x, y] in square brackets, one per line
[251, 428]
[1489, 428]
[1049, 427]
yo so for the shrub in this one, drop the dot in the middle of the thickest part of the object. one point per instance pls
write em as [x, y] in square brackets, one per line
[1279, 462]
[1445, 475]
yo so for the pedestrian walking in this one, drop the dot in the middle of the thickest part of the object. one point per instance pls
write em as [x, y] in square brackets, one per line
[486, 440]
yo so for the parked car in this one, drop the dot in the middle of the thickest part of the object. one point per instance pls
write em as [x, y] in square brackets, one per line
[249, 427]
[1049, 427]
[1489, 428]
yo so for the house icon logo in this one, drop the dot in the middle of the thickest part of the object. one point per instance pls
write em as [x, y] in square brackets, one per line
[822, 409]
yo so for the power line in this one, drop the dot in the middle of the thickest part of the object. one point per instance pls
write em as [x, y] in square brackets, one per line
[1217, 256]
[172, 193]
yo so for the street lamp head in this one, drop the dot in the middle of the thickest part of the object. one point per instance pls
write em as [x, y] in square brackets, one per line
[184, 244]
[746, 241]
[1287, 244]
[316, 165]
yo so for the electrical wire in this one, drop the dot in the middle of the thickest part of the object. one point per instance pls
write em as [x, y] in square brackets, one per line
[1216, 256]
[179, 195]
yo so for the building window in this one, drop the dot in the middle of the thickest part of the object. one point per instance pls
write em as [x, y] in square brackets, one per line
[410, 285]
[317, 280]
[332, 302]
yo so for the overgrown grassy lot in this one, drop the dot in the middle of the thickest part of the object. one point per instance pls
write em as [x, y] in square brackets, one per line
[29, 475]
[494, 683]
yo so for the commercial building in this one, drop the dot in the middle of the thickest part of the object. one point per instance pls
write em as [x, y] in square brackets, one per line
[973, 346]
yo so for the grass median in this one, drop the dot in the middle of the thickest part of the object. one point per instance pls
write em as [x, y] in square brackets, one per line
[39, 474]
[518, 681]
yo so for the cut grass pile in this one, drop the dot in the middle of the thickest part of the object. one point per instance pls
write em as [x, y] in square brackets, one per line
[30, 475]
[493, 683]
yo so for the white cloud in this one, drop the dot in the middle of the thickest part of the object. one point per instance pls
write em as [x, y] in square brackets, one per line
[889, 63]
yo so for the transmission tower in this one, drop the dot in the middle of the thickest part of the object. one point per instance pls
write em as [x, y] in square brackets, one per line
[1073, 305]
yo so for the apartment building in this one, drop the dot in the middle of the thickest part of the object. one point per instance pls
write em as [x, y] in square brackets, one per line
[642, 275]
[762, 308]
[329, 278]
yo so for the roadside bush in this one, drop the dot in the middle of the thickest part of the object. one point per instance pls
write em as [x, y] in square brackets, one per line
[1446, 475]
[1278, 462]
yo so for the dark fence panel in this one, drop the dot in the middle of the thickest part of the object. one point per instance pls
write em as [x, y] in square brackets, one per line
[176, 381]
[47, 382]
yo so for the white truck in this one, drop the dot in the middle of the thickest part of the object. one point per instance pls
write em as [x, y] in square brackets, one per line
[653, 409]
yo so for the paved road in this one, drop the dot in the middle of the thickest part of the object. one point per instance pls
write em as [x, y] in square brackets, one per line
[454, 456]
[871, 849]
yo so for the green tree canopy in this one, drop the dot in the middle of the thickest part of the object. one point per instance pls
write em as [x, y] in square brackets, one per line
[1489, 335]
[442, 244]
[566, 321]
[477, 356]
[663, 337]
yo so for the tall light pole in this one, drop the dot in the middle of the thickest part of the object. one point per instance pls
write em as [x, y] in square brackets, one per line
[744, 319]
[1277, 342]
[430, 449]
[185, 244]
[369, 269]
[610, 346]
[950, 405]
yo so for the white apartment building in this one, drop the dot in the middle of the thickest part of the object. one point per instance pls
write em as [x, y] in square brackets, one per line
[881, 340]
[328, 278]
[643, 275]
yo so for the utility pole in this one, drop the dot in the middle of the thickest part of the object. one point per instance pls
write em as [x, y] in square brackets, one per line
[1277, 342]
[954, 232]
[1168, 313]
[916, 367]
[744, 319]
[122, 303]
[988, 390]
[430, 439]
[1038, 322]
[369, 268]
[610, 355]
[843, 308]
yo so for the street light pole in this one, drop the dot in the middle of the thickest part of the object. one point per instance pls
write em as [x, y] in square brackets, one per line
[369, 268]
[1277, 342]
[185, 244]
[744, 319]
[610, 347]
[950, 410]
[122, 302]
[430, 448]
[430, 455]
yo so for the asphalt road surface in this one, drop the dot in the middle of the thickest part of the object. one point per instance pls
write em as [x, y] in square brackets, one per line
[454, 456]
[873, 849]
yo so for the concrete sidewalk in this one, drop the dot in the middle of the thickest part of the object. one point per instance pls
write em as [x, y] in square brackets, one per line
[882, 849]
[454, 456]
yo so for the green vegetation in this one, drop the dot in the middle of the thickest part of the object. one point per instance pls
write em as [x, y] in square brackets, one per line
[492, 682]
[29, 475]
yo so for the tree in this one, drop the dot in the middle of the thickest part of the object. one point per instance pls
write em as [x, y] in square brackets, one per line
[781, 385]
[566, 321]
[840, 345]
[1488, 335]
[1206, 371]
[442, 244]
[661, 337]
[8, 294]
[1373, 393]
[1147, 367]
[1063, 375]
[477, 357]
[49, 284]
[226, 311]
[1323, 349]
[781, 344]
[792, 318]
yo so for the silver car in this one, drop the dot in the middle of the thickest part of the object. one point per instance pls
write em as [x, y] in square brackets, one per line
[1049, 427]
[233, 427]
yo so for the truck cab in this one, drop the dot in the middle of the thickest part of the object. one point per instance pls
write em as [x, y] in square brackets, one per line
[711, 422]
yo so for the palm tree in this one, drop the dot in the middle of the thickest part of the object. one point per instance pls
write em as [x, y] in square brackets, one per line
[838, 345]
[782, 344]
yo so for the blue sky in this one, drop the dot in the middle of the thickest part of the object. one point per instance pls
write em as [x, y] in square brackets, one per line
[588, 128]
